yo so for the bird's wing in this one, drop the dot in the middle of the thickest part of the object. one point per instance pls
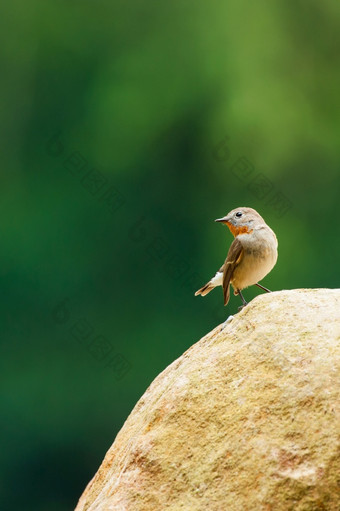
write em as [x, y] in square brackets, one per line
[234, 256]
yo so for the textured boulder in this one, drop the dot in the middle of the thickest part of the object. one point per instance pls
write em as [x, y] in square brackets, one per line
[247, 419]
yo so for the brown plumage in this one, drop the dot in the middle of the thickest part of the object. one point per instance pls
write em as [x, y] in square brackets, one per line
[252, 254]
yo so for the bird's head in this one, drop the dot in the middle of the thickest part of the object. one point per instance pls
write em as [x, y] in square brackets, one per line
[241, 220]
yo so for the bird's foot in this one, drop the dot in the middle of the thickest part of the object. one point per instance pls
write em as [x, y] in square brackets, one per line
[242, 298]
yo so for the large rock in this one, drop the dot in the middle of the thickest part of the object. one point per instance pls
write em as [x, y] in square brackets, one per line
[247, 419]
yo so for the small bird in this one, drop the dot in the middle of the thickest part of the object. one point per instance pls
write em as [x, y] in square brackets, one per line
[251, 256]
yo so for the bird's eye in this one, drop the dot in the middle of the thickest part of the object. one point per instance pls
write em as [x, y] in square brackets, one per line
[238, 214]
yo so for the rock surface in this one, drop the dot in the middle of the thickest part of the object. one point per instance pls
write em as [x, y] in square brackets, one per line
[247, 419]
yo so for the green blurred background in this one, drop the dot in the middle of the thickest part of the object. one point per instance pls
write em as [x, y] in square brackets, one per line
[127, 128]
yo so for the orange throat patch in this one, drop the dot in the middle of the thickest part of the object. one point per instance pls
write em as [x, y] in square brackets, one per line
[235, 231]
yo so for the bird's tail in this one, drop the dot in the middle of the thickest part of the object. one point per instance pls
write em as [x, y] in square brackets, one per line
[205, 289]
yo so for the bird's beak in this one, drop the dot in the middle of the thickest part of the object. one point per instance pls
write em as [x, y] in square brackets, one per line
[224, 220]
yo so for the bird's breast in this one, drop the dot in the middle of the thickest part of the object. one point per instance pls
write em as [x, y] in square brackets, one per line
[259, 258]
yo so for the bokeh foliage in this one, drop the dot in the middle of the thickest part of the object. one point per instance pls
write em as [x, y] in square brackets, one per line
[144, 93]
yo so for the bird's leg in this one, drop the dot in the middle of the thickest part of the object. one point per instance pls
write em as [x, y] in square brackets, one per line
[242, 298]
[264, 288]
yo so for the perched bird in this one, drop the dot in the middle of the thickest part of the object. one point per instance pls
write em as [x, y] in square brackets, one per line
[251, 256]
